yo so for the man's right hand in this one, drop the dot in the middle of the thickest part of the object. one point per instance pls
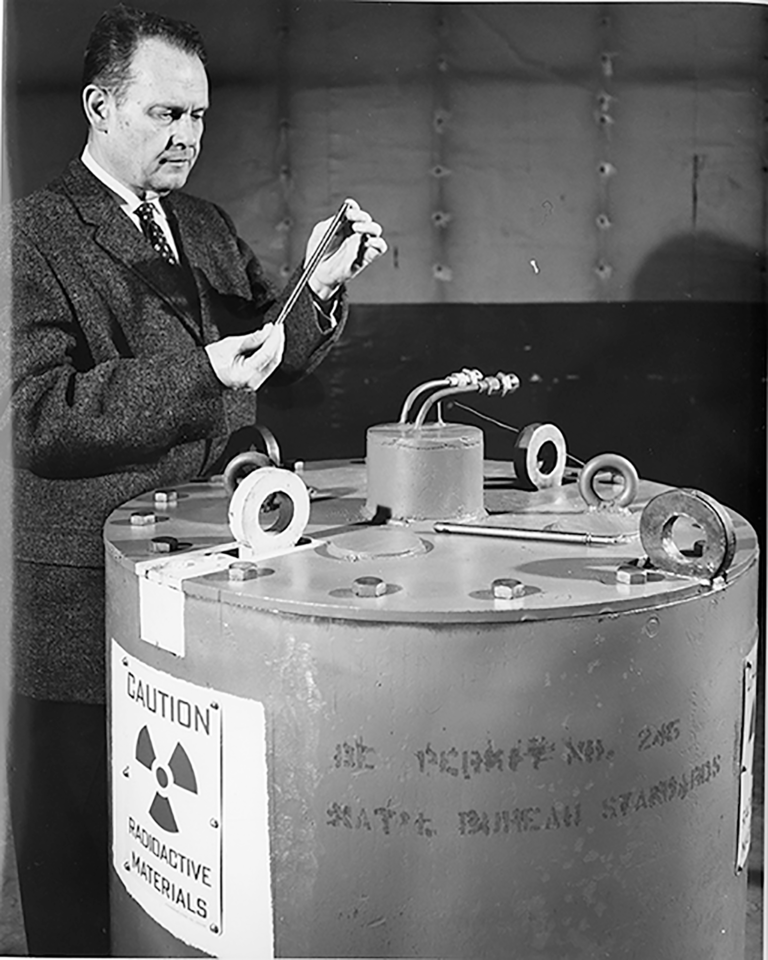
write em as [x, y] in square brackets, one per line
[246, 362]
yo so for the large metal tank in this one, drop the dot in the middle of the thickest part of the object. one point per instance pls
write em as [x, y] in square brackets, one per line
[390, 741]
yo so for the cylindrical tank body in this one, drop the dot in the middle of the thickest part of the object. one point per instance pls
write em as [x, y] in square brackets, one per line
[432, 771]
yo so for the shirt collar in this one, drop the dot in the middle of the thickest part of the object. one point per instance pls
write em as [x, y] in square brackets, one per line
[130, 200]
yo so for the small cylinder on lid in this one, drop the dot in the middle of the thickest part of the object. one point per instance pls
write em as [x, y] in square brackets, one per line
[432, 472]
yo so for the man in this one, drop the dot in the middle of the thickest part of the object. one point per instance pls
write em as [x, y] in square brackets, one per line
[142, 327]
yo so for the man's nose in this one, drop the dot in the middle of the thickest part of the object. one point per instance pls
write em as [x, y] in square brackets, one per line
[186, 131]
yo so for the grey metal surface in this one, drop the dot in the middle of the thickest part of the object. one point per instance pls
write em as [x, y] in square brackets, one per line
[450, 579]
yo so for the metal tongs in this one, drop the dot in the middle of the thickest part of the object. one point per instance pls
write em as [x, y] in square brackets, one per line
[313, 261]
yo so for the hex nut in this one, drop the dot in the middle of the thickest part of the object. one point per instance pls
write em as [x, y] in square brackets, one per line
[166, 496]
[631, 575]
[163, 544]
[242, 570]
[369, 587]
[142, 518]
[506, 588]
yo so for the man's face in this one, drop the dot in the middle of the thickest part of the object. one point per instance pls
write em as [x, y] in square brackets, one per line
[154, 130]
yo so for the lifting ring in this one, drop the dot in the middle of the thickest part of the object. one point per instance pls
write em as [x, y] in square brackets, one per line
[241, 465]
[608, 461]
[244, 463]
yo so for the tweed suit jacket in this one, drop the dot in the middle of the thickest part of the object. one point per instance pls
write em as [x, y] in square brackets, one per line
[112, 393]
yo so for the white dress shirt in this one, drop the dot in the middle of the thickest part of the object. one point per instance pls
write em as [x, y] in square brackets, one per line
[129, 201]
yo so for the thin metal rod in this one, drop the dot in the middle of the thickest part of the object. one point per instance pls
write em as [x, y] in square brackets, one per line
[505, 426]
[484, 416]
[520, 533]
[313, 261]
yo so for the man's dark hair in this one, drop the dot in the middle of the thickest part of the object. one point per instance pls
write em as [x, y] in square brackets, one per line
[115, 37]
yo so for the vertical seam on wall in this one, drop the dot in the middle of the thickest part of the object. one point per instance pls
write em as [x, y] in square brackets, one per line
[284, 225]
[440, 120]
[697, 162]
[604, 98]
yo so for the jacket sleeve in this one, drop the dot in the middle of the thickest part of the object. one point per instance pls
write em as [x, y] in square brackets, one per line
[73, 416]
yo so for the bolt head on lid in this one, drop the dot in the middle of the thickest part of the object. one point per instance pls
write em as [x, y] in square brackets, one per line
[242, 570]
[163, 544]
[507, 588]
[631, 574]
[369, 587]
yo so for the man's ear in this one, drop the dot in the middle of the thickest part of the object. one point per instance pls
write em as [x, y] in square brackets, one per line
[97, 104]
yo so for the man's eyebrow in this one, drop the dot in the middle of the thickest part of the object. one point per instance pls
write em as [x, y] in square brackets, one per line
[176, 108]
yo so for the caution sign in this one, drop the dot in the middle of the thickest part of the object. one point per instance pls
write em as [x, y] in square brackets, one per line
[170, 807]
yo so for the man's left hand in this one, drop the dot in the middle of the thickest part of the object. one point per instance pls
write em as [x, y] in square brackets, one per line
[357, 243]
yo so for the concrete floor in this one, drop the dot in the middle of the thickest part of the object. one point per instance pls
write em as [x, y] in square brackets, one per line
[13, 943]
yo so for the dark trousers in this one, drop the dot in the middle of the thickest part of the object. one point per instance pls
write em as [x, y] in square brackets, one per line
[59, 814]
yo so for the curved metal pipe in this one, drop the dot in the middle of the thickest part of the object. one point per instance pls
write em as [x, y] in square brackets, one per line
[416, 392]
[437, 397]
[463, 377]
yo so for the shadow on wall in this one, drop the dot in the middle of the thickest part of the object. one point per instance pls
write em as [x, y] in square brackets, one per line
[701, 266]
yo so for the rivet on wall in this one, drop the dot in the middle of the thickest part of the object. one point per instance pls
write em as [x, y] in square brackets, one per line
[604, 270]
[442, 273]
[604, 101]
[440, 120]
[441, 219]
[606, 61]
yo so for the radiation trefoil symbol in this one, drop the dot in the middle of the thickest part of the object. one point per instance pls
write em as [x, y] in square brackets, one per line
[181, 771]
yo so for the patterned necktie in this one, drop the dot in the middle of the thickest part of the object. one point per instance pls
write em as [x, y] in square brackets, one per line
[154, 233]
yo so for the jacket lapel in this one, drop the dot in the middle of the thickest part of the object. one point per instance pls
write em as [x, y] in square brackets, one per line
[116, 234]
[213, 261]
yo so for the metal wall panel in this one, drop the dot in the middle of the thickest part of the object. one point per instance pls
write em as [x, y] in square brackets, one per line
[514, 152]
